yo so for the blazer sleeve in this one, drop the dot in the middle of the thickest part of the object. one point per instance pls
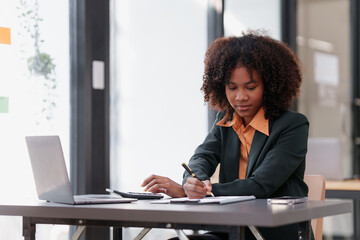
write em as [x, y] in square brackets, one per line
[279, 165]
[207, 155]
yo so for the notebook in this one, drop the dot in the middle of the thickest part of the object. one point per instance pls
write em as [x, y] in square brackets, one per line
[51, 177]
[207, 200]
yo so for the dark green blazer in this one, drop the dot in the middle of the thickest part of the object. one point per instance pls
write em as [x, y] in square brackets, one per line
[276, 163]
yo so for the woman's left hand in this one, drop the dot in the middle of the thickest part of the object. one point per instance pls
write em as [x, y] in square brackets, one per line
[160, 184]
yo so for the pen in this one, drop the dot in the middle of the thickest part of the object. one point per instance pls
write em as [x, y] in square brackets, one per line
[188, 169]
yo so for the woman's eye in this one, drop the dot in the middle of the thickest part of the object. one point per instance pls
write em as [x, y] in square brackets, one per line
[251, 88]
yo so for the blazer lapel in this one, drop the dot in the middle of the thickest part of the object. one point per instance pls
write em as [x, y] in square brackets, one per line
[233, 157]
[256, 147]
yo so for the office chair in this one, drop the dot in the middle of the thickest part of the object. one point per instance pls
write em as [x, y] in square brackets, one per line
[316, 184]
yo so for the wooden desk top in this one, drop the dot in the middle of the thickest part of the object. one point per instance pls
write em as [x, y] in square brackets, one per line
[347, 185]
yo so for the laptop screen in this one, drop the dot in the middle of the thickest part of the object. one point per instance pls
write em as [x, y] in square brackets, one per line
[49, 169]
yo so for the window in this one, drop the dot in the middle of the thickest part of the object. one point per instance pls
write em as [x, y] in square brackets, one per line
[158, 117]
[240, 15]
[34, 88]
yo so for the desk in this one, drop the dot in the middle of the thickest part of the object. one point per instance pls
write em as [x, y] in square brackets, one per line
[347, 189]
[230, 218]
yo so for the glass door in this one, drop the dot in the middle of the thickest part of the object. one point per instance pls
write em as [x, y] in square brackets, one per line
[323, 46]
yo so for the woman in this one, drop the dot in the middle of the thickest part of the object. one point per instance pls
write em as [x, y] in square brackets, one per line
[259, 143]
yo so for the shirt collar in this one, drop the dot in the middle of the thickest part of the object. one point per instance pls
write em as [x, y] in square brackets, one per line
[259, 122]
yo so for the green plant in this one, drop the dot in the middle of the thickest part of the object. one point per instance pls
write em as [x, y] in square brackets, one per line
[40, 64]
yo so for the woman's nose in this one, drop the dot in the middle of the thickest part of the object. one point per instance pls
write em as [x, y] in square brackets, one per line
[241, 95]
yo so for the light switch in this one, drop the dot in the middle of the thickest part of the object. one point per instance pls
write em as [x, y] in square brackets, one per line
[98, 75]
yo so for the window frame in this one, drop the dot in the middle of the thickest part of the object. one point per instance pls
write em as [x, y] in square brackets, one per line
[89, 114]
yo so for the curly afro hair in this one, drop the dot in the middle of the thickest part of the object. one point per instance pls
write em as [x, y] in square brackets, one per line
[274, 61]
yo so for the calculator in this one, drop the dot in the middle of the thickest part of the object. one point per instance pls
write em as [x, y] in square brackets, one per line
[137, 195]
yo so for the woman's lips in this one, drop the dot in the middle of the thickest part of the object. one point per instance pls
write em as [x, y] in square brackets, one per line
[243, 107]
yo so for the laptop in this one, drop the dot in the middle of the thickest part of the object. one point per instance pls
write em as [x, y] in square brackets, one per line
[51, 177]
[324, 158]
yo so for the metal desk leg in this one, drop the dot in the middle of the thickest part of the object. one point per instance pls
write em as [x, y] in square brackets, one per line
[356, 212]
[304, 230]
[29, 229]
[256, 233]
[237, 233]
[142, 233]
[117, 233]
[78, 233]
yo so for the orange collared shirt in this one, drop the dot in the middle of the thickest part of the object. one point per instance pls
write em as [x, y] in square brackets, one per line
[246, 135]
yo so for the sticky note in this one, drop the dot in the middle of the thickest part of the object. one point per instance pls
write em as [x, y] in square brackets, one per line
[5, 37]
[4, 104]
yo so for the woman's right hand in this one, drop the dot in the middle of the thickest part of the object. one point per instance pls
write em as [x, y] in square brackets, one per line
[194, 188]
[160, 184]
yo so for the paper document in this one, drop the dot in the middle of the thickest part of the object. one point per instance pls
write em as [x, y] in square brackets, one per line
[207, 200]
